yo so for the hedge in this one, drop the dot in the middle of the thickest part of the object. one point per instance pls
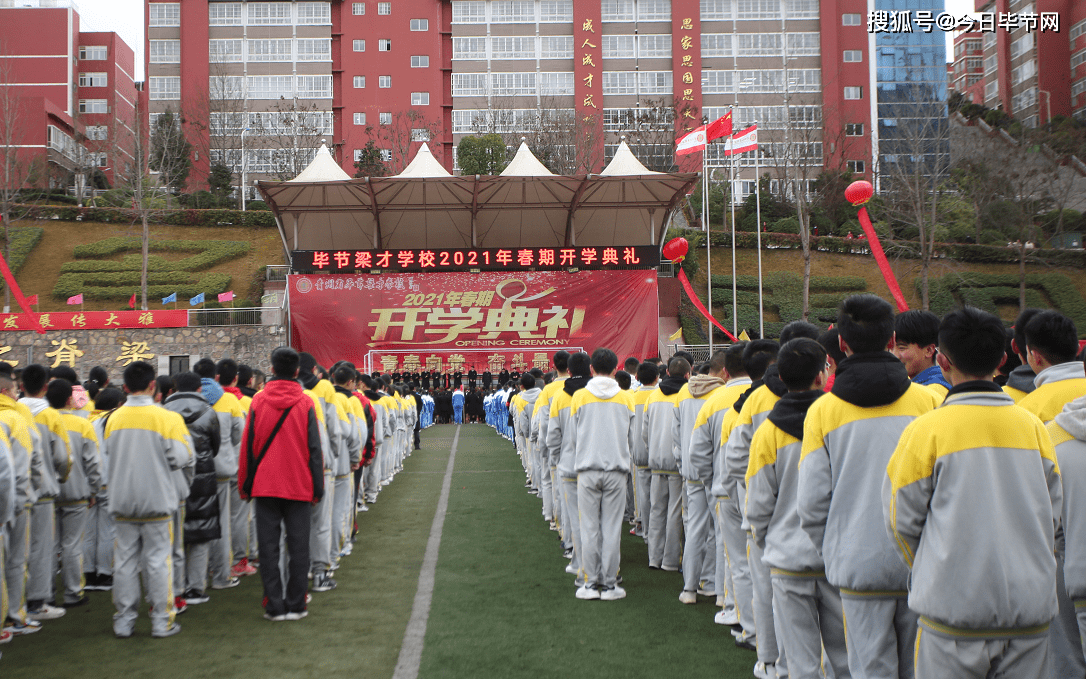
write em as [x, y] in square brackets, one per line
[185, 217]
[210, 283]
[23, 240]
[209, 253]
[988, 290]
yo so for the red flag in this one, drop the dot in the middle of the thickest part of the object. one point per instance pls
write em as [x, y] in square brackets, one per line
[32, 300]
[691, 142]
[132, 302]
[721, 127]
[76, 299]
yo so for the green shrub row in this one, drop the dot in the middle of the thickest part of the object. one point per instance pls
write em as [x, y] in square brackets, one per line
[125, 278]
[209, 253]
[23, 240]
[111, 215]
[986, 291]
[211, 284]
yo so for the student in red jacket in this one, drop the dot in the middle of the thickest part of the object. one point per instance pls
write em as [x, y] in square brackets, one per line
[281, 465]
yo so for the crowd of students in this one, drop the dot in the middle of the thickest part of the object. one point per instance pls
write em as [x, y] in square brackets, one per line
[923, 479]
[186, 480]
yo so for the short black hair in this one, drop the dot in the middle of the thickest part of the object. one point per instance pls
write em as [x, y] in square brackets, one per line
[58, 392]
[245, 375]
[678, 367]
[344, 374]
[99, 375]
[306, 361]
[109, 398]
[1013, 359]
[717, 363]
[187, 381]
[973, 340]
[647, 373]
[579, 364]
[536, 373]
[918, 327]
[733, 359]
[205, 367]
[1049, 333]
[165, 386]
[799, 362]
[284, 362]
[630, 364]
[798, 329]
[684, 354]
[227, 370]
[866, 322]
[759, 355]
[138, 375]
[527, 380]
[623, 379]
[604, 361]
[1024, 317]
[561, 360]
[64, 372]
[387, 379]
[830, 341]
[34, 378]
[367, 381]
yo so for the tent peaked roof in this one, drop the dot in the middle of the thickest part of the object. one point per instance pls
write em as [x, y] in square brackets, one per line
[625, 164]
[324, 168]
[525, 164]
[424, 165]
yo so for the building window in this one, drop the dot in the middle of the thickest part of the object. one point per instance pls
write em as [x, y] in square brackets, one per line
[360, 119]
[384, 45]
[93, 53]
[654, 10]
[165, 87]
[96, 105]
[420, 24]
[716, 45]
[619, 46]
[474, 48]
[385, 118]
[617, 10]
[384, 81]
[359, 81]
[512, 11]
[420, 134]
[850, 19]
[164, 13]
[472, 12]
[223, 51]
[165, 51]
[420, 98]
[854, 130]
[556, 11]
[991, 89]
[270, 87]
[856, 166]
[268, 13]
[1077, 31]
[854, 56]
[854, 93]
[654, 46]
[758, 9]
[97, 132]
[556, 82]
[716, 10]
[420, 61]
[314, 87]
[314, 13]
[386, 155]
[93, 80]
[358, 8]
[802, 9]
[270, 50]
[314, 49]
[224, 13]
[359, 45]
[556, 47]
[384, 8]
[512, 48]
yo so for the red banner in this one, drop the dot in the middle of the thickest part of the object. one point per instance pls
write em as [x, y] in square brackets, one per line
[459, 321]
[99, 320]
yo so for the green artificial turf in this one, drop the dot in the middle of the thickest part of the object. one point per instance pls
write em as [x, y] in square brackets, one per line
[504, 607]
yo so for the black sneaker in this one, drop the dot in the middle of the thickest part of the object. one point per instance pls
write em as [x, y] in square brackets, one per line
[78, 602]
[90, 581]
[323, 582]
[105, 583]
[195, 597]
[745, 644]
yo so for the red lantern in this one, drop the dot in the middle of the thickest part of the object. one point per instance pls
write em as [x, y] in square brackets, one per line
[675, 249]
[859, 192]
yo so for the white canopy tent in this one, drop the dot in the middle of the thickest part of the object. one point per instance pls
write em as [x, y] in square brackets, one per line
[426, 207]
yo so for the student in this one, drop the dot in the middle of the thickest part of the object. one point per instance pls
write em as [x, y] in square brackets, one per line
[228, 376]
[1052, 352]
[807, 607]
[76, 493]
[56, 465]
[98, 543]
[830, 341]
[916, 333]
[358, 433]
[145, 444]
[848, 438]
[601, 418]
[1020, 380]
[696, 469]
[282, 467]
[630, 366]
[665, 490]
[647, 377]
[458, 404]
[1068, 432]
[538, 434]
[19, 430]
[7, 513]
[203, 524]
[972, 499]
[371, 479]
[529, 393]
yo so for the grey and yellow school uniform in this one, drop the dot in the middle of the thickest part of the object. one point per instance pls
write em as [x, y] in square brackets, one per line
[83, 483]
[145, 444]
[561, 449]
[972, 499]
[807, 608]
[532, 448]
[26, 467]
[231, 423]
[7, 508]
[665, 487]
[382, 428]
[1068, 432]
[541, 415]
[344, 471]
[335, 426]
[639, 460]
[848, 438]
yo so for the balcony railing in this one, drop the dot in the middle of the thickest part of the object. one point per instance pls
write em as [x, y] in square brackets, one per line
[272, 316]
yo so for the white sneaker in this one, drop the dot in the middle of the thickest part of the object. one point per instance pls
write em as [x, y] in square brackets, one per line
[46, 612]
[570, 569]
[613, 594]
[765, 671]
[688, 597]
[706, 592]
[587, 593]
[728, 616]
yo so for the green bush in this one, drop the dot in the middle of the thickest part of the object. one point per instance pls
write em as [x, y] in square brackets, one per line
[119, 211]
[691, 331]
[786, 225]
[210, 253]
[23, 240]
[210, 283]
[257, 205]
[986, 291]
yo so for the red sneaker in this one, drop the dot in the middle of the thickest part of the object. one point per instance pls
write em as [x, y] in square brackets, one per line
[179, 605]
[6, 636]
[242, 568]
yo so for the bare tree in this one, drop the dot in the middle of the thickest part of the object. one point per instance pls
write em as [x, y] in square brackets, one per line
[292, 132]
[564, 141]
[403, 130]
[219, 117]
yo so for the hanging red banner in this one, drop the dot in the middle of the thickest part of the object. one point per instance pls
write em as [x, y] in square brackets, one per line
[99, 320]
[451, 321]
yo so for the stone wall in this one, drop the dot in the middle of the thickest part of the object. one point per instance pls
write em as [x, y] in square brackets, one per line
[162, 347]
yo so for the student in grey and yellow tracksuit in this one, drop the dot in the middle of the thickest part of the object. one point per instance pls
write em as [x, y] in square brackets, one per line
[665, 491]
[972, 498]
[560, 448]
[1052, 350]
[699, 554]
[20, 434]
[1068, 432]
[345, 466]
[648, 377]
[807, 608]
[601, 422]
[541, 414]
[848, 438]
[7, 513]
[145, 443]
[530, 393]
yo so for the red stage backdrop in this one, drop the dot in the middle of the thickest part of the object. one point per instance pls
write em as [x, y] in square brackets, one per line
[459, 321]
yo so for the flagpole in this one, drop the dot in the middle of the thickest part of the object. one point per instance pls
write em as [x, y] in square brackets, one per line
[705, 222]
[735, 273]
[758, 231]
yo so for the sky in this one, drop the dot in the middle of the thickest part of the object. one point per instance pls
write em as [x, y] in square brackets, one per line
[125, 17]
